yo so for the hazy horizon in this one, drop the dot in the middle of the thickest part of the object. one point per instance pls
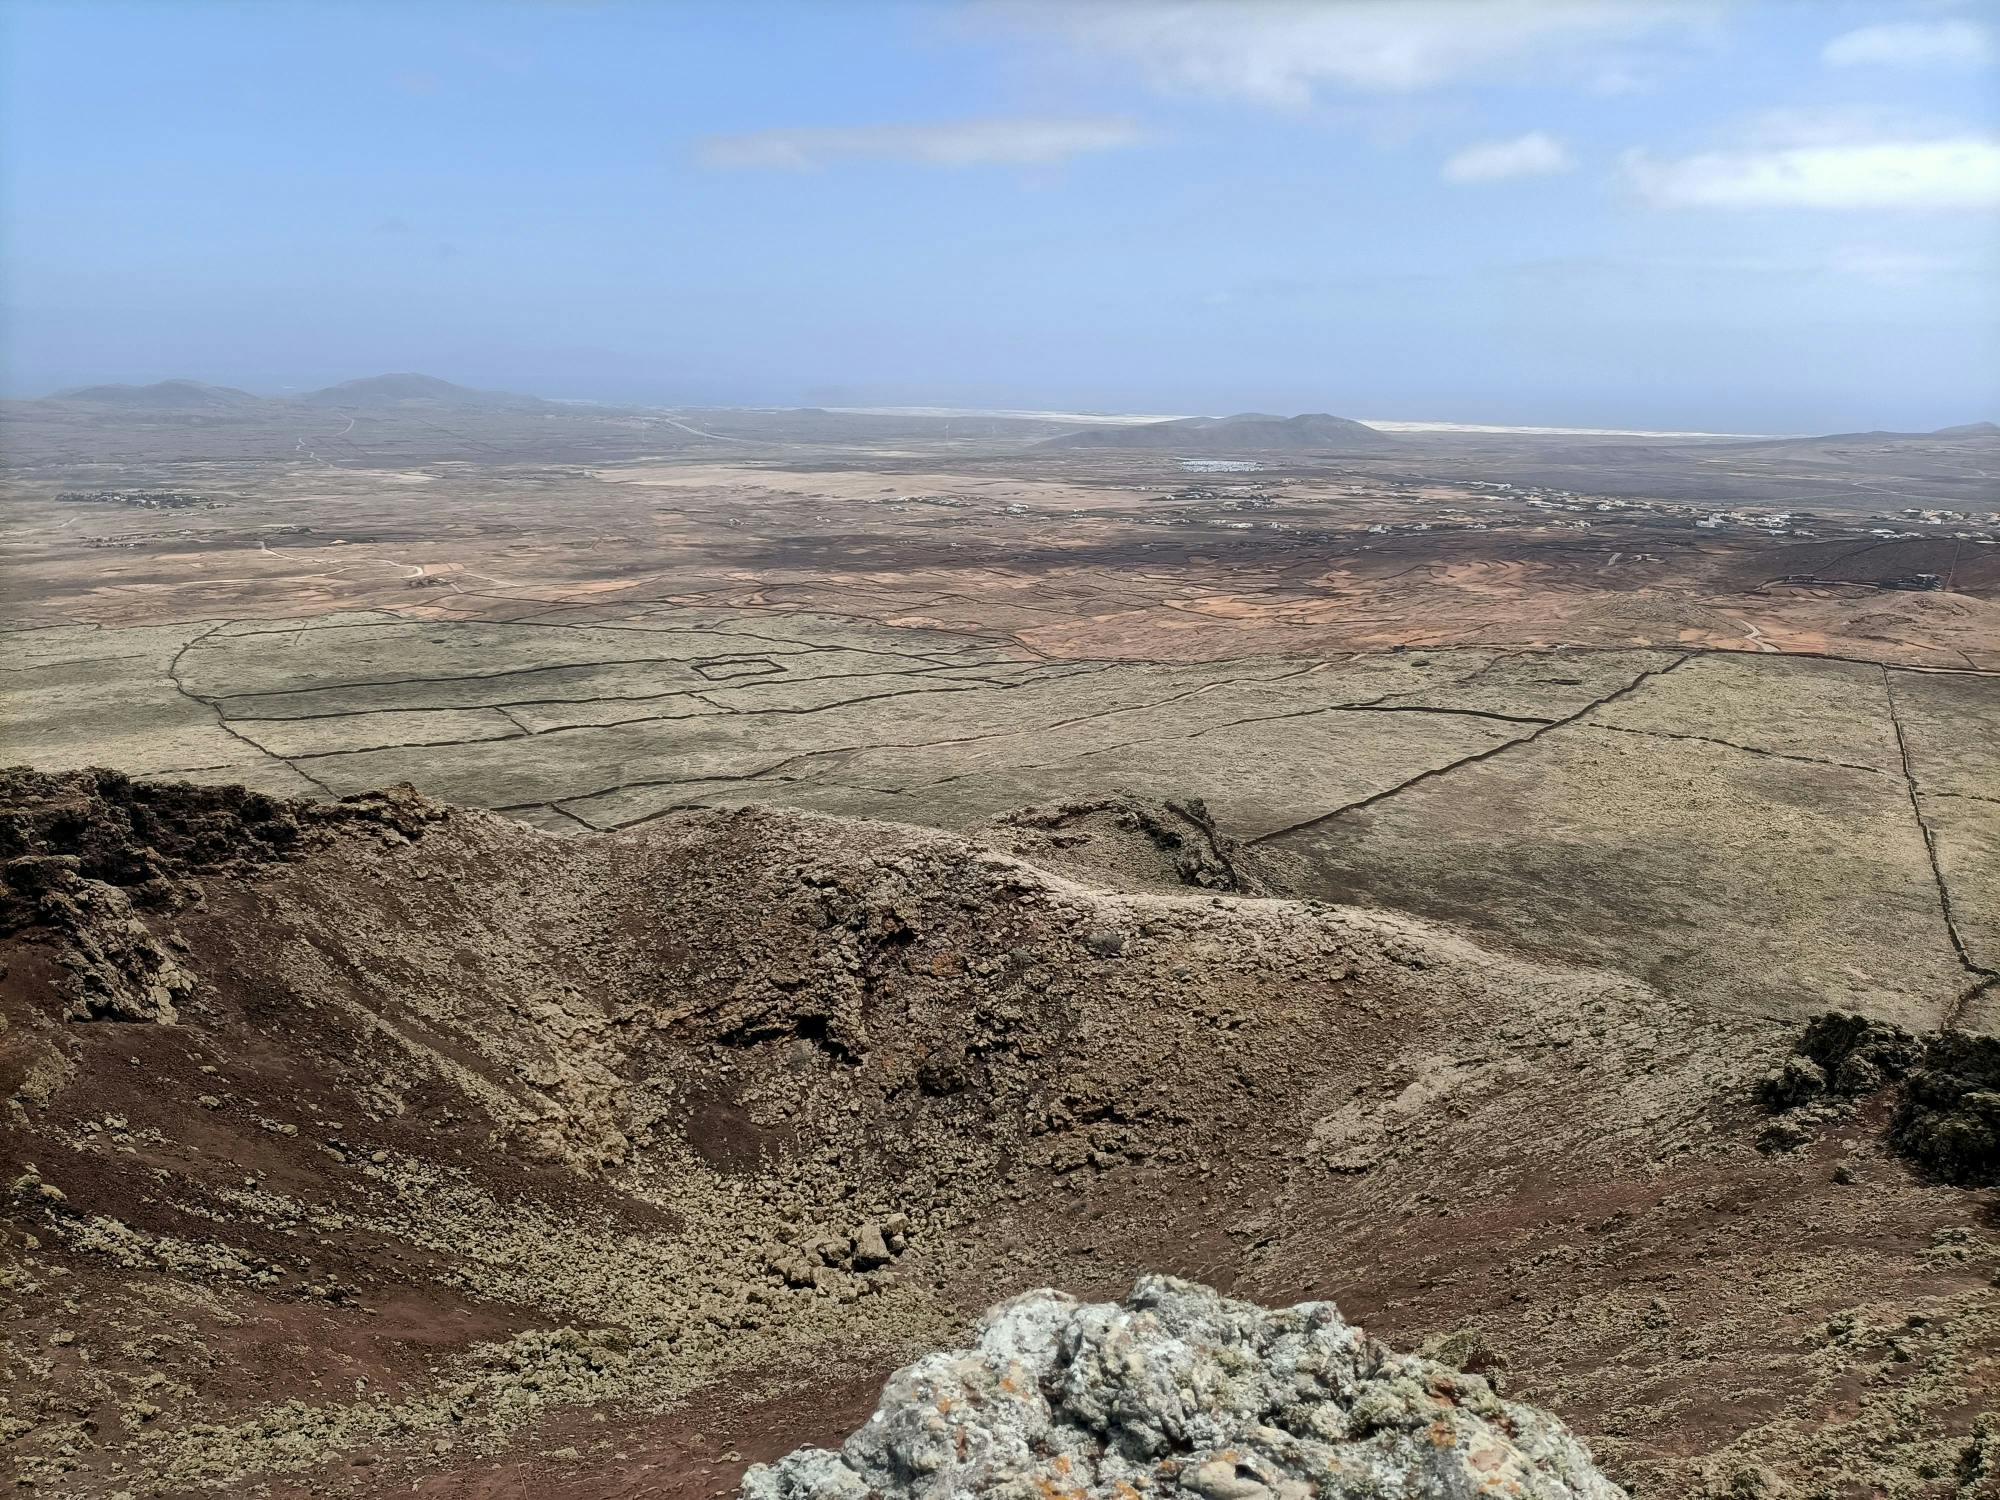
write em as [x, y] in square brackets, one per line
[1080, 417]
[1678, 215]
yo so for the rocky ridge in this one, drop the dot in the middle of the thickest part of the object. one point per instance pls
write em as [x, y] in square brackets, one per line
[604, 1147]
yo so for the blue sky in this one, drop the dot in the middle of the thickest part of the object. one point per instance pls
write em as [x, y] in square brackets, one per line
[1766, 215]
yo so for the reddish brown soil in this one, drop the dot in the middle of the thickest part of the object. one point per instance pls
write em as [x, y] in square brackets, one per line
[488, 1084]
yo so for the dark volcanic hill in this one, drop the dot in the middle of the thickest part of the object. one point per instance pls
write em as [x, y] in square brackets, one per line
[424, 390]
[1247, 432]
[164, 395]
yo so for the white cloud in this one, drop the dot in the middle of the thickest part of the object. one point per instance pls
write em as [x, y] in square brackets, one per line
[950, 143]
[1531, 155]
[1952, 172]
[1278, 52]
[1912, 44]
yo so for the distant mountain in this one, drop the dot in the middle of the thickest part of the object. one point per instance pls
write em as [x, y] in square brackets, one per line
[1964, 430]
[1247, 432]
[165, 395]
[421, 390]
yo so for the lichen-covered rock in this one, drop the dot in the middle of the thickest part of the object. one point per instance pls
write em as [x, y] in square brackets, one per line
[149, 838]
[1178, 1391]
[1843, 1054]
[117, 969]
[1949, 1118]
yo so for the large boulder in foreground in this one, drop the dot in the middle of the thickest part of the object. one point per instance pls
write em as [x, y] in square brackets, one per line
[1178, 1391]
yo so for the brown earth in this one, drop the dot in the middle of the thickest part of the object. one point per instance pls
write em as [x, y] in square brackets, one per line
[1101, 557]
[472, 1161]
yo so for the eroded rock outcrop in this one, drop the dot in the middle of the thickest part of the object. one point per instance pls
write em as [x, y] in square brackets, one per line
[1102, 838]
[86, 855]
[151, 839]
[1948, 1119]
[118, 971]
[1179, 1391]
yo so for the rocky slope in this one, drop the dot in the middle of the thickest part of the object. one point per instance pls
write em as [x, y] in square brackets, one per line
[366, 1146]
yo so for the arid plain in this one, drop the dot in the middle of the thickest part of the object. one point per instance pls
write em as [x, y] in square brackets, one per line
[1696, 736]
[1534, 685]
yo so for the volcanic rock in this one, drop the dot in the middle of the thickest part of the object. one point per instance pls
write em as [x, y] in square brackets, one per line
[1180, 1391]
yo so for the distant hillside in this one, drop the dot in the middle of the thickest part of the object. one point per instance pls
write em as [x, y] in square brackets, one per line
[165, 395]
[420, 390]
[1247, 432]
[1964, 430]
